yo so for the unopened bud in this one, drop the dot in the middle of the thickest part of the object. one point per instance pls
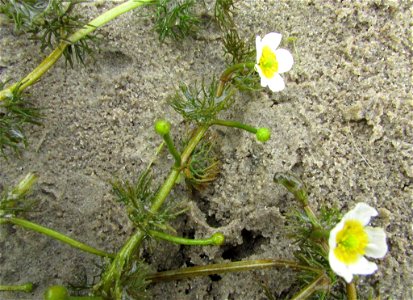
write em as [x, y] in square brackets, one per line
[56, 292]
[218, 238]
[162, 127]
[24, 186]
[263, 134]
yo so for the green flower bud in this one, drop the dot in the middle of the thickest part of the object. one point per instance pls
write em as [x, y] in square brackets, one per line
[24, 186]
[218, 238]
[162, 127]
[56, 292]
[294, 185]
[263, 134]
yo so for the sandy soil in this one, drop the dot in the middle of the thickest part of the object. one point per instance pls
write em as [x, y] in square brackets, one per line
[343, 124]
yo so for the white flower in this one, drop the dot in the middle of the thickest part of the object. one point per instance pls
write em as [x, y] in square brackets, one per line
[351, 239]
[272, 61]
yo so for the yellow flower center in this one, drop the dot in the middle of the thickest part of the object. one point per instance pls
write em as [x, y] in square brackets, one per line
[268, 62]
[351, 242]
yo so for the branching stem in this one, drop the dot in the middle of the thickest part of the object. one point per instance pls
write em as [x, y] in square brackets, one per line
[113, 273]
[49, 61]
[109, 285]
[227, 74]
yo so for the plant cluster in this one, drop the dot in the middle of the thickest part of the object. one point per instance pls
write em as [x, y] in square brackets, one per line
[330, 246]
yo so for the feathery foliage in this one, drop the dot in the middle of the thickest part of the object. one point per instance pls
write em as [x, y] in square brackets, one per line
[311, 240]
[200, 104]
[134, 280]
[50, 22]
[237, 48]
[15, 112]
[138, 198]
[202, 167]
[223, 15]
[175, 19]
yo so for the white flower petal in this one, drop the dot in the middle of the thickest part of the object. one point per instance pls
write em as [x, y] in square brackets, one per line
[272, 40]
[264, 80]
[285, 60]
[362, 212]
[377, 246]
[363, 267]
[339, 268]
[258, 47]
[276, 83]
[333, 233]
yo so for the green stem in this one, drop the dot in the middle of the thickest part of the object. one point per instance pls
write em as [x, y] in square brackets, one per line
[238, 266]
[235, 124]
[351, 291]
[54, 234]
[107, 17]
[171, 147]
[26, 287]
[60, 292]
[185, 241]
[320, 234]
[312, 217]
[226, 75]
[317, 228]
[173, 175]
[49, 61]
[113, 274]
[322, 282]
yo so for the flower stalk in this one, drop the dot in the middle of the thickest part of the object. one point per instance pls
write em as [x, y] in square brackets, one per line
[54, 234]
[60, 292]
[25, 287]
[262, 134]
[235, 124]
[351, 291]
[216, 239]
[163, 128]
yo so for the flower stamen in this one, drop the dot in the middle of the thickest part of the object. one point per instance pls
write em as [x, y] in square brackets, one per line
[351, 242]
[268, 62]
